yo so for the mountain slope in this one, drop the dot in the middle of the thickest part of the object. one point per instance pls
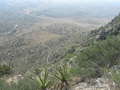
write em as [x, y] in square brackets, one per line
[112, 28]
[94, 56]
[100, 59]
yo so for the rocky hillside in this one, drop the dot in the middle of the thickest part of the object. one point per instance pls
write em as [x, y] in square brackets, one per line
[100, 59]
[112, 28]
[94, 58]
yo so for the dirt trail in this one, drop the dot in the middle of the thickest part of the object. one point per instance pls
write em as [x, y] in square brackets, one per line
[10, 30]
[49, 52]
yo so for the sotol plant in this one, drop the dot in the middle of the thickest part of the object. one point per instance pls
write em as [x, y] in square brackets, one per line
[62, 74]
[42, 80]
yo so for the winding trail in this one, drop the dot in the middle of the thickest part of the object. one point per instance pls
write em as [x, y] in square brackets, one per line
[46, 46]
[9, 32]
[49, 52]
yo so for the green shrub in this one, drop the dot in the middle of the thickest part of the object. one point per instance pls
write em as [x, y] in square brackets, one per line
[67, 57]
[72, 50]
[116, 76]
[103, 54]
[115, 33]
[3, 85]
[74, 70]
[23, 84]
[5, 70]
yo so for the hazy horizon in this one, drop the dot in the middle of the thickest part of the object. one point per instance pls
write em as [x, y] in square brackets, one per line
[60, 1]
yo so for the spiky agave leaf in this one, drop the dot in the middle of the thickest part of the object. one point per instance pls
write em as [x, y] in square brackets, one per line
[62, 73]
[42, 80]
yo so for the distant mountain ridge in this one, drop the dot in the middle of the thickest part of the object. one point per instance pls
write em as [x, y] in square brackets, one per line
[112, 28]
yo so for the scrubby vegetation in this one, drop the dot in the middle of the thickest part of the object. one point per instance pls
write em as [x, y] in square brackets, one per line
[92, 62]
[57, 79]
[24, 84]
[116, 77]
[62, 76]
[104, 54]
[5, 70]
[36, 42]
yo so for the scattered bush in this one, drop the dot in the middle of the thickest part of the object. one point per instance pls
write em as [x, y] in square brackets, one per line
[5, 70]
[115, 33]
[104, 54]
[72, 50]
[67, 57]
[3, 85]
[23, 84]
[116, 77]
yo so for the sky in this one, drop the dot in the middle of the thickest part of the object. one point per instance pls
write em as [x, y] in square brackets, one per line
[68, 0]
[83, 0]
[75, 1]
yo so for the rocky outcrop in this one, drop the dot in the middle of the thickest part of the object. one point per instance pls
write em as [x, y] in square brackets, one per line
[108, 32]
[112, 28]
[97, 84]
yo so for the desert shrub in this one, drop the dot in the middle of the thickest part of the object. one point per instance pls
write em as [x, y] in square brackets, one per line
[5, 70]
[116, 77]
[42, 81]
[103, 54]
[115, 74]
[3, 85]
[67, 57]
[74, 70]
[72, 50]
[115, 33]
[23, 84]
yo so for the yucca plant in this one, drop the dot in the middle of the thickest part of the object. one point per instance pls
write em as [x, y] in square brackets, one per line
[62, 74]
[42, 80]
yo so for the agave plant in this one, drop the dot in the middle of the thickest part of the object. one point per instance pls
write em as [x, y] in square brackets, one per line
[62, 74]
[42, 80]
